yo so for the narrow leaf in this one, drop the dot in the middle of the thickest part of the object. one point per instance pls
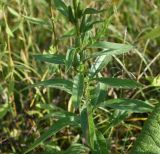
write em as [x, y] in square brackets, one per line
[110, 48]
[130, 105]
[34, 20]
[9, 31]
[101, 146]
[89, 25]
[70, 57]
[92, 11]
[61, 7]
[3, 110]
[84, 122]
[13, 12]
[70, 14]
[51, 58]
[99, 64]
[60, 124]
[77, 91]
[91, 126]
[119, 83]
[87, 125]
[75, 149]
[111, 45]
[61, 84]
[98, 94]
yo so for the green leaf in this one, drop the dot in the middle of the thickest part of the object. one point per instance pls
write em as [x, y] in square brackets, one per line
[52, 111]
[77, 91]
[35, 21]
[99, 64]
[110, 48]
[88, 25]
[92, 11]
[13, 12]
[69, 33]
[3, 110]
[149, 140]
[155, 33]
[156, 81]
[70, 58]
[61, 84]
[51, 58]
[84, 122]
[49, 148]
[117, 117]
[87, 125]
[71, 16]
[119, 83]
[98, 94]
[9, 31]
[130, 105]
[61, 7]
[60, 124]
[101, 146]
[91, 126]
[75, 149]
[111, 45]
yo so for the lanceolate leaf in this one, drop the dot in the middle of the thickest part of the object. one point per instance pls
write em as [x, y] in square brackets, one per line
[99, 64]
[84, 122]
[110, 45]
[77, 91]
[75, 149]
[51, 58]
[92, 11]
[70, 57]
[63, 122]
[36, 21]
[91, 125]
[87, 24]
[101, 146]
[149, 140]
[3, 110]
[130, 105]
[98, 94]
[119, 83]
[61, 7]
[13, 12]
[110, 49]
[88, 127]
[61, 84]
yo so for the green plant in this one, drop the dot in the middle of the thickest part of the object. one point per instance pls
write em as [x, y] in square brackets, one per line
[86, 85]
[149, 140]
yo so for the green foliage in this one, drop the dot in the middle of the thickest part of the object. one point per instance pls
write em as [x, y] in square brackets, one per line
[61, 84]
[81, 99]
[100, 144]
[3, 110]
[61, 123]
[55, 59]
[149, 140]
[86, 103]
[128, 105]
[77, 90]
[119, 83]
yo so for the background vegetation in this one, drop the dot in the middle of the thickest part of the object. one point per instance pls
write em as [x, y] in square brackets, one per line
[30, 27]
